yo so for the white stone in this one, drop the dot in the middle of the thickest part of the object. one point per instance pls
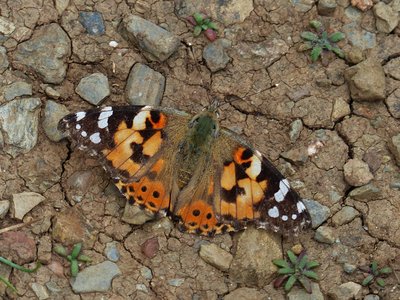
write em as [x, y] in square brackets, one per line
[24, 202]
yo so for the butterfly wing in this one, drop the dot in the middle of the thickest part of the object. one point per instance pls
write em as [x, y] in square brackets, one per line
[240, 187]
[135, 145]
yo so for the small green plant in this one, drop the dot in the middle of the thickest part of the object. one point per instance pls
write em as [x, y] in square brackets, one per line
[18, 267]
[297, 268]
[73, 258]
[203, 23]
[375, 274]
[321, 40]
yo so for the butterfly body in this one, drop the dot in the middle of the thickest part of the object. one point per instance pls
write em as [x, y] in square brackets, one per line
[206, 177]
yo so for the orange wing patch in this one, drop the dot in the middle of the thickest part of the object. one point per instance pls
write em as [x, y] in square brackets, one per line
[148, 193]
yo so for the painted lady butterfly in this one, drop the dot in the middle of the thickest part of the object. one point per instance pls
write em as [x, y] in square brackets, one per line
[205, 177]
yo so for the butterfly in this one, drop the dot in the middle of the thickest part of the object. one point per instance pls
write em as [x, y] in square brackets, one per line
[205, 177]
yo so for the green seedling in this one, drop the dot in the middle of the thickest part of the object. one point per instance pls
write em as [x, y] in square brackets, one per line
[296, 269]
[375, 274]
[74, 257]
[320, 40]
[202, 23]
[18, 267]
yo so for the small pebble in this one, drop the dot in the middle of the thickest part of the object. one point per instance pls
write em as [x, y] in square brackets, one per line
[150, 247]
[325, 234]
[349, 268]
[319, 213]
[344, 216]
[176, 281]
[146, 273]
[92, 22]
[93, 88]
[111, 251]
[113, 44]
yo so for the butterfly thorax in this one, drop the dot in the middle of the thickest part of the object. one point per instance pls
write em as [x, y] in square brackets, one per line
[195, 151]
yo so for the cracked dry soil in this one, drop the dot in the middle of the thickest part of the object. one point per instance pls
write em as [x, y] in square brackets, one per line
[300, 115]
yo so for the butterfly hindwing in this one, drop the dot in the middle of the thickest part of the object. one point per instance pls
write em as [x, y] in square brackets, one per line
[254, 191]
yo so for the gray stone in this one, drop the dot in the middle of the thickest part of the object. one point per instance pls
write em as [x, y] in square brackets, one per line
[356, 172]
[326, 7]
[349, 268]
[19, 123]
[146, 273]
[297, 293]
[46, 53]
[319, 213]
[61, 5]
[303, 5]
[345, 291]
[3, 59]
[4, 207]
[340, 109]
[257, 56]
[325, 234]
[297, 156]
[216, 256]
[53, 287]
[93, 22]
[17, 89]
[245, 293]
[394, 146]
[366, 81]
[365, 193]
[144, 86]
[40, 291]
[395, 185]
[359, 37]
[392, 68]
[52, 93]
[96, 278]
[386, 18]
[371, 297]
[157, 43]
[53, 112]
[393, 103]
[6, 27]
[111, 252]
[93, 88]
[344, 216]
[355, 55]
[24, 202]
[135, 215]
[252, 264]
[176, 281]
[227, 12]
[215, 55]
[295, 130]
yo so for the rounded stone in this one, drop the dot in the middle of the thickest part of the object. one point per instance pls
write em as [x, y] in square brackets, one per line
[357, 173]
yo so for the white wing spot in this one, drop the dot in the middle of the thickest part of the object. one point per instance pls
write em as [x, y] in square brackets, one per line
[103, 123]
[80, 115]
[78, 126]
[139, 122]
[285, 218]
[273, 212]
[255, 168]
[300, 207]
[283, 190]
[84, 133]
[294, 217]
[95, 138]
